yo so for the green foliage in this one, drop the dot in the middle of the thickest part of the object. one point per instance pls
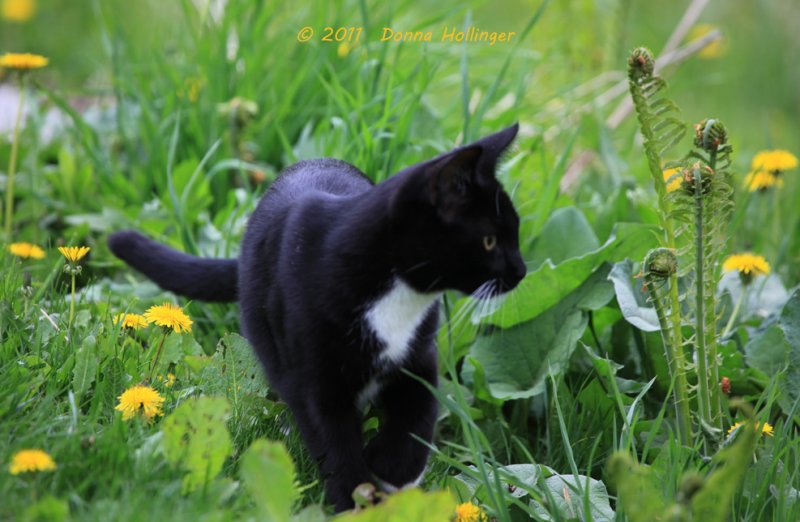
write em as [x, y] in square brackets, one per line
[268, 473]
[410, 504]
[638, 488]
[776, 350]
[196, 439]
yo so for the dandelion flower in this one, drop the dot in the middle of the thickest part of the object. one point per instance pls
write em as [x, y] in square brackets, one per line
[766, 428]
[469, 512]
[18, 10]
[774, 161]
[23, 62]
[675, 182]
[343, 50]
[169, 382]
[133, 321]
[169, 315]
[31, 460]
[762, 180]
[74, 254]
[26, 250]
[138, 398]
[747, 264]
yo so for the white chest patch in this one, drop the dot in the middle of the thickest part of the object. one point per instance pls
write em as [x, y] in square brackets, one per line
[395, 317]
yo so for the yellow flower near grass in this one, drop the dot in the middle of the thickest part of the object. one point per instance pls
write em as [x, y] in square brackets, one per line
[74, 254]
[774, 161]
[762, 180]
[469, 512]
[31, 460]
[713, 49]
[18, 10]
[746, 263]
[674, 183]
[23, 61]
[133, 321]
[26, 250]
[170, 316]
[140, 398]
[766, 428]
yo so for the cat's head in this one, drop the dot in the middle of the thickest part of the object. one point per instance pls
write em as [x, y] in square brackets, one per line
[453, 225]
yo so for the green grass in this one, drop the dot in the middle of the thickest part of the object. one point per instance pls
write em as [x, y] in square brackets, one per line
[533, 410]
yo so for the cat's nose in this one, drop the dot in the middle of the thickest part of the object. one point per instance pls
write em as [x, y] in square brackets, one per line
[515, 272]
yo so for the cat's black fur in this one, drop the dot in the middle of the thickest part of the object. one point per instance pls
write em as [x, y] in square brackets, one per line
[321, 249]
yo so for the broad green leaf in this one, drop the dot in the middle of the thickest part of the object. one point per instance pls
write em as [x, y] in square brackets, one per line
[85, 370]
[565, 235]
[777, 351]
[517, 360]
[196, 439]
[407, 505]
[768, 351]
[234, 371]
[176, 347]
[549, 284]
[567, 492]
[269, 475]
[639, 489]
[632, 302]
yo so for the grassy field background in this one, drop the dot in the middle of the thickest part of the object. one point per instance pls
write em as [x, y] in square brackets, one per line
[173, 118]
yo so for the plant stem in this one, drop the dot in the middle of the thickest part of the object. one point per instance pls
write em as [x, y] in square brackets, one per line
[735, 312]
[158, 355]
[675, 365]
[12, 162]
[72, 301]
[703, 399]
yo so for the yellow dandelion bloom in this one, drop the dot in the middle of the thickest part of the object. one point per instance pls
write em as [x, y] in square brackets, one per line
[713, 49]
[469, 512]
[343, 50]
[169, 315]
[169, 382]
[774, 161]
[675, 182]
[31, 460]
[766, 428]
[26, 250]
[746, 263]
[134, 321]
[23, 62]
[762, 180]
[74, 254]
[142, 398]
[18, 10]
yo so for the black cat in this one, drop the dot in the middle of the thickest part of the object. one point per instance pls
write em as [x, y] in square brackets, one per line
[339, 283]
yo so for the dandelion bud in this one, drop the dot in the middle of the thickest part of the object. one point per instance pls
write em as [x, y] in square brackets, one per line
[640, 64]
[660, 263]
[710, 134]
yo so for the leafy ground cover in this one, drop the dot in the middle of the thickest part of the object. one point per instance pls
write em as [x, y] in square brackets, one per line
[618, 382]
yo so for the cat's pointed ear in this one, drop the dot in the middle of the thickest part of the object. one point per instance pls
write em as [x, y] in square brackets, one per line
[493, 147]
[451, 177]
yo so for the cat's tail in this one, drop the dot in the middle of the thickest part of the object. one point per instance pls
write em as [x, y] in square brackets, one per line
[198, 278]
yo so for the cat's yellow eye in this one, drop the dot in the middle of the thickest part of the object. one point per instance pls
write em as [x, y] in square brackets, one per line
[489, 242]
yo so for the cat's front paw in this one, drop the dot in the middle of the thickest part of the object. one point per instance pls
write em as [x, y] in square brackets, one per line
[396, 468]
